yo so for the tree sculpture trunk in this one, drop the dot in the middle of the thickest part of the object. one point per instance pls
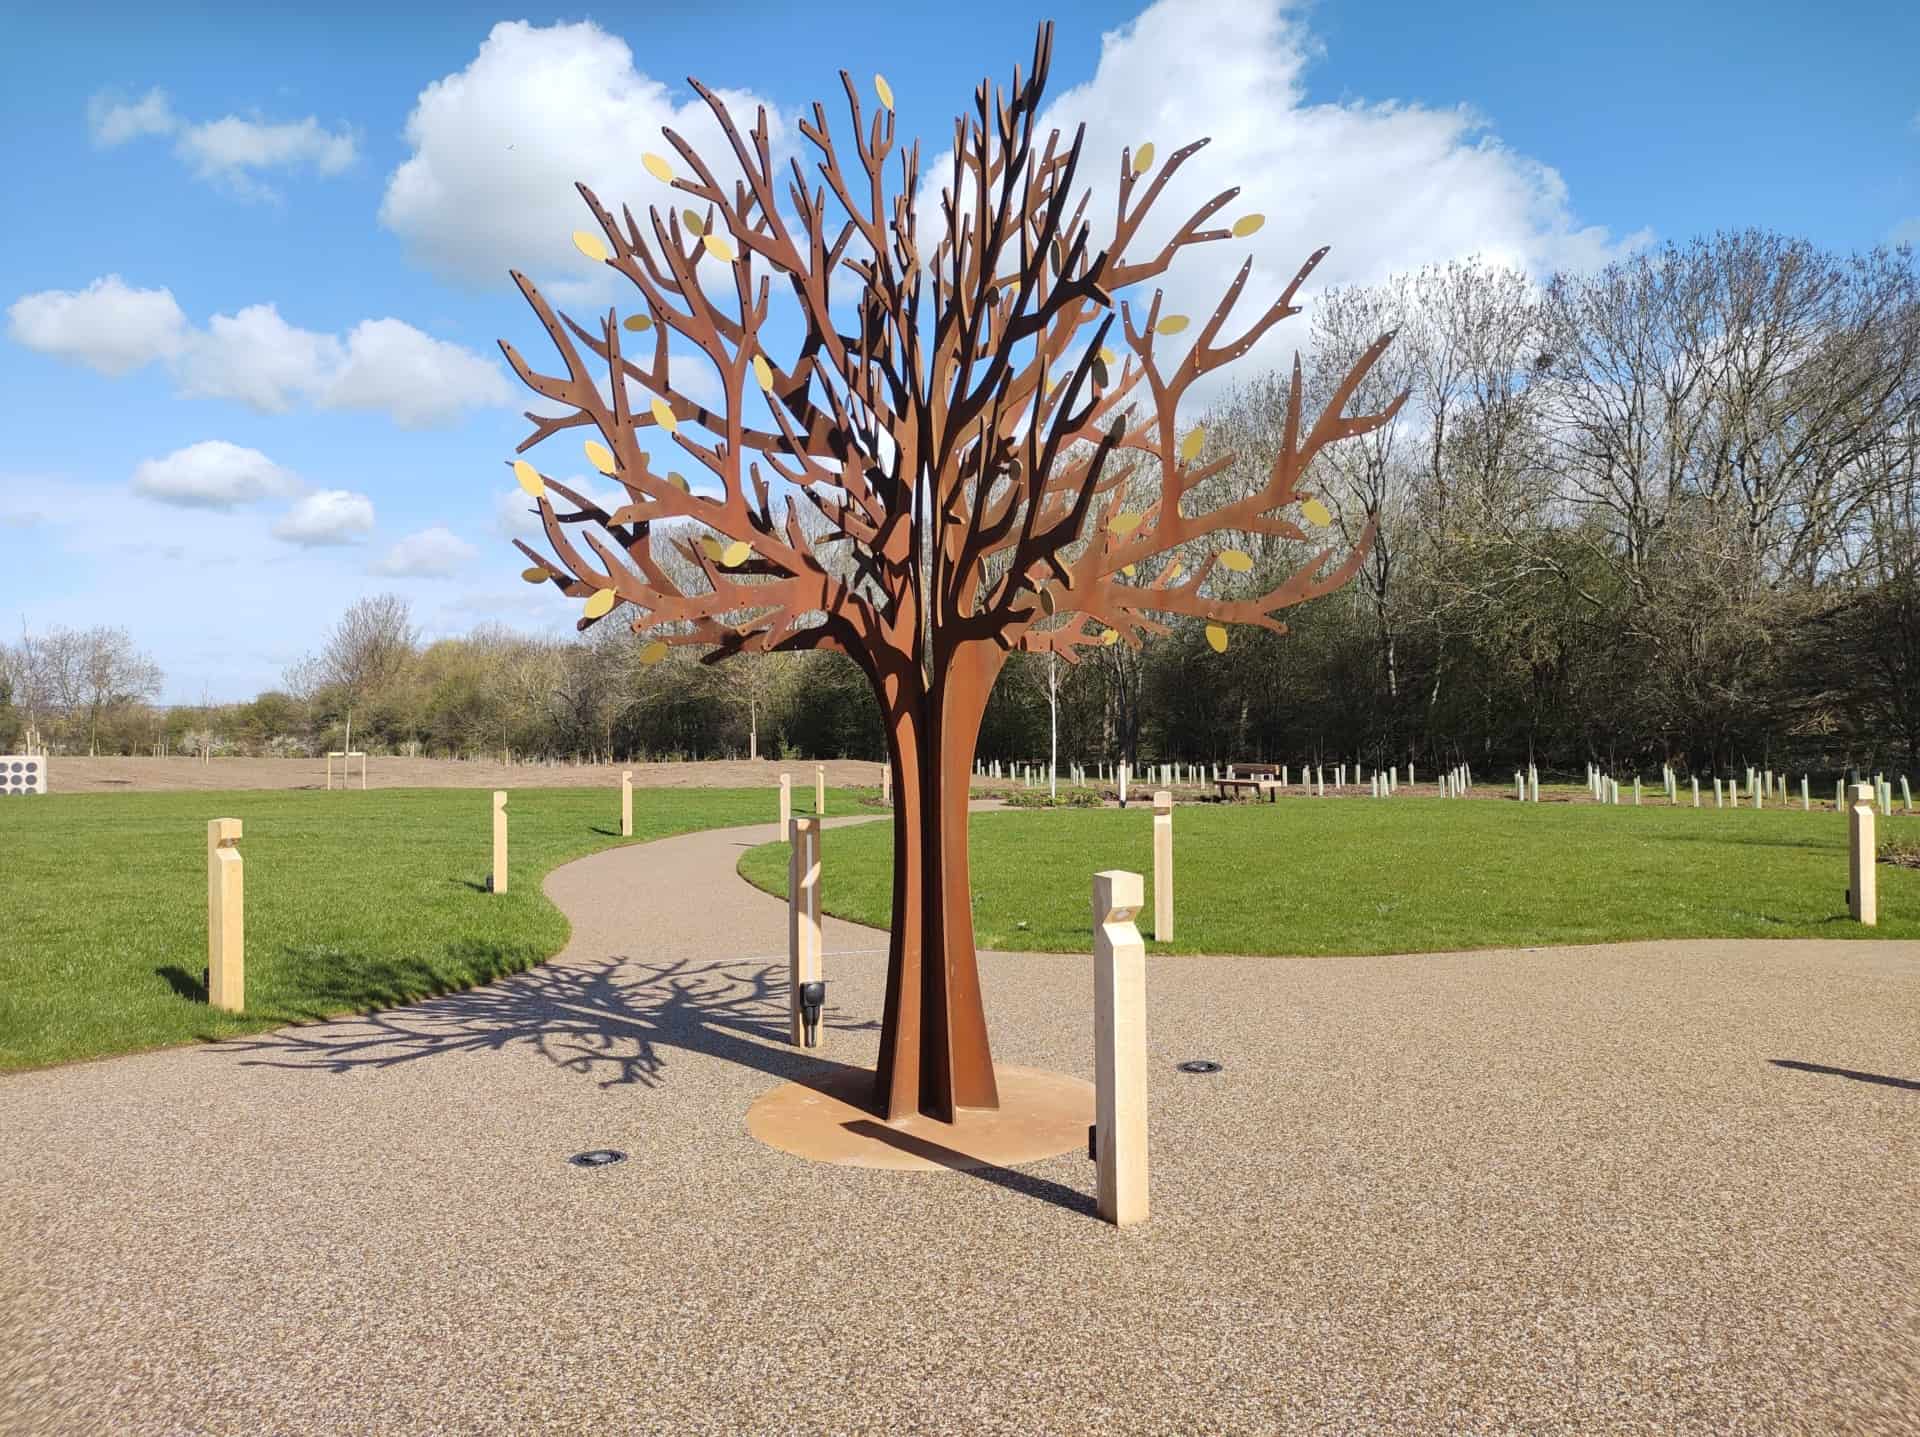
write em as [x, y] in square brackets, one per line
[934, 1054]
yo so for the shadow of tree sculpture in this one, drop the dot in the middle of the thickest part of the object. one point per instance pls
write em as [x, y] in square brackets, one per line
[617, 1019]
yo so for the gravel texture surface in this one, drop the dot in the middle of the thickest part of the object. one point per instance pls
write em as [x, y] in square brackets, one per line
[1666, 1187]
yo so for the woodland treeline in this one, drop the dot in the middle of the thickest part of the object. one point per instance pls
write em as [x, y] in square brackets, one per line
[1662, 512]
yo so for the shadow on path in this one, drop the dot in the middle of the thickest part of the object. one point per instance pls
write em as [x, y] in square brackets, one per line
[1026, 1184]
[617, 1020]
[1880, 1078]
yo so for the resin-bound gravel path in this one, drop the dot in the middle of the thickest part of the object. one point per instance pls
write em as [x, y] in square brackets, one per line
[1661, 1187]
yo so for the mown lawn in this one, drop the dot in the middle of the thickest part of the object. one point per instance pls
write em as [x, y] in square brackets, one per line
[354, 901]
[1403, 875]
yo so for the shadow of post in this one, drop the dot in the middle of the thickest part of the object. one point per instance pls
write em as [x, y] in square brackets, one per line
[1858, 1077]
[1026, 1184]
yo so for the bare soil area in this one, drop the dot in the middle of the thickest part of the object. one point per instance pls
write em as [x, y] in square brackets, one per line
[170, 775]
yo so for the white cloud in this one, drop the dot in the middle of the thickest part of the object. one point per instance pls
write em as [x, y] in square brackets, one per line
[258, 359]
[1390, 186]
[331, 516]
[421, 381]
[107, 326]
[213, 474]
[498, 146]
[112, 122]
[430, 554]
[229, 151]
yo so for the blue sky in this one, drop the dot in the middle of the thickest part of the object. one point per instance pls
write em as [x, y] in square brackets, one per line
[291, 394]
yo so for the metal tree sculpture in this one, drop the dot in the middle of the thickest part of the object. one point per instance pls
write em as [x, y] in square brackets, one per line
[957, 431]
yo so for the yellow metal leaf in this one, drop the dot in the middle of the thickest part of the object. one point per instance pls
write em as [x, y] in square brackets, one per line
[589, 244]
[658, 168]
[599, 603]
[663, 416]
[719, 249]
[1216, 638]
[1143, 158]
[692, 222]
[736, 553]
[1109, 638]
[1172, 324]
[1235, 559]
[883, 90]
[1108, 357]
[638, 323]
[535, 575]
[1190, 446]
[1316, 512]
[712, 546]
[679, 481]
[529, 478]
[1128, 571]
[599, 456]
[763, 372]
[1124, 523]
[1247, 224]
[1173, 570]
[654, 652]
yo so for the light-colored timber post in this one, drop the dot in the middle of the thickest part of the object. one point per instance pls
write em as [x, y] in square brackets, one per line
[1636, 790]
[497, 881]
[1616, 791]
[786, 803]
[1163, 866]
[803, 922]
[886, 785]
[1862, 894]
[1806, 796]
[1718, 800]
[1696, 790]
[819, 790]
[1119, 1049]
[226, 917]
[626, 803]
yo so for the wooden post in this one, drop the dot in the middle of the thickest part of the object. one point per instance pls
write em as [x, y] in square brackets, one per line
[1862, 893]
[886, 785]
[1696, 790]
[226, 917]
[819, 790]
[1806, 797]
[786, 803]
[1636, 790]
[626, 803]
[497, 881]
[803, 920]
[1119, 1048]
[1163, 866]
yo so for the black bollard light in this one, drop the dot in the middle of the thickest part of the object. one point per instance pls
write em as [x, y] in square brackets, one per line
[813, 997]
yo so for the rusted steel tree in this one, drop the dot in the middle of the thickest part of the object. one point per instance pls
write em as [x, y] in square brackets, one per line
[967, 432]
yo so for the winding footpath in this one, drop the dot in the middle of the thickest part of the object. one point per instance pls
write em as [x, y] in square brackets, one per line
[1664, 1187]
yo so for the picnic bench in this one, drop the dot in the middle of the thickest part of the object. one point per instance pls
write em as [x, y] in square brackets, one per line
[1255, 780]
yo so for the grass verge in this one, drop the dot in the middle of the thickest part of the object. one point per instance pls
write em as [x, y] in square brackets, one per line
[1408, 875]
[354, 901]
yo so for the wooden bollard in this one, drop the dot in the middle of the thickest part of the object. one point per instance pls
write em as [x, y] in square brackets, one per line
[786, 803]
[1862, 894]
[1119, 1049]
[497, 880]
[803, 923]
[886, 785]
[226, 917]
[819, 790]
[626, 803]
[1163, 866]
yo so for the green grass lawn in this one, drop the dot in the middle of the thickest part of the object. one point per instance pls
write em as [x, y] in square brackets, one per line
[1404, 875]
[354, 901]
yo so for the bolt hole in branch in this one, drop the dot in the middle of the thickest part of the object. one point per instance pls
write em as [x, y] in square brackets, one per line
[970, 448]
